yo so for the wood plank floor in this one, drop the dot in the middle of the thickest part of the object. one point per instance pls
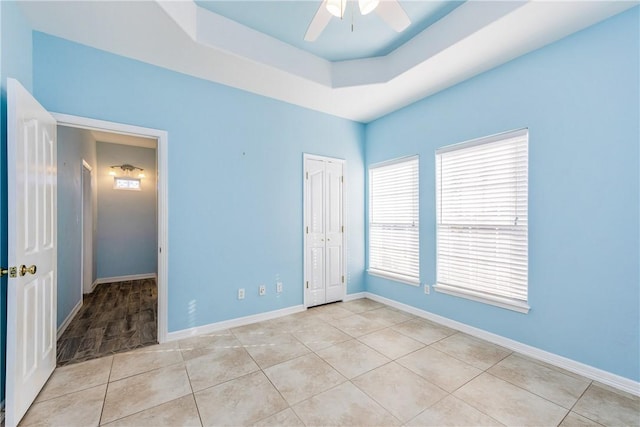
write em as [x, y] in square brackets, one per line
[115, 317]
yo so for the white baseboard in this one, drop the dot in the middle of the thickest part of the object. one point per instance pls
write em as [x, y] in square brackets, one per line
[69, 318]
[351, 297]
[124, 278]
[232, 323]
[604, 377]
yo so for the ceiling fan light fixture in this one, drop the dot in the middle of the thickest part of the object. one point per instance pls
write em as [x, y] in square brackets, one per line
[336, 7]
[367, 6]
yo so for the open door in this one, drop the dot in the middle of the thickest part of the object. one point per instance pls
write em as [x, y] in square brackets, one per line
[31, 294]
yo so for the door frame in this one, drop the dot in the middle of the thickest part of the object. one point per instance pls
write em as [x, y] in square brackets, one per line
[305, 157]
[162, 149]
[87, 166]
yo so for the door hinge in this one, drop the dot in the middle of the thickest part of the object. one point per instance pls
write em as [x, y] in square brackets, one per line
[307, 175]
[342, 179]
[307, 284]
[343, 228]
[307, 229]
[342, 279]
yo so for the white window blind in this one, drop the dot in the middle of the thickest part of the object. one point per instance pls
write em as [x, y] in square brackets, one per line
[394, 246]
[482, 231]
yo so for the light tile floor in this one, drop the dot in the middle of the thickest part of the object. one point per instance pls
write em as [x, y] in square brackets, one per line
[354, 363]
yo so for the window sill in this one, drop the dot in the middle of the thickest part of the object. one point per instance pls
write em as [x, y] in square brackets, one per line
[505, 303]
[394, 277]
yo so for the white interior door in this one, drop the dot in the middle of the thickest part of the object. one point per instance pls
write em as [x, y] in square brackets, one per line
[31, 294]
[87, 230]
[324, 231]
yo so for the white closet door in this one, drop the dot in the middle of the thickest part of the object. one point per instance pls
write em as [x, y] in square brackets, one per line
[315, 229]
[324, 231]
[334, 278]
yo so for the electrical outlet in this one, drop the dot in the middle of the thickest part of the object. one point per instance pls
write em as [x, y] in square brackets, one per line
[278, 287]
[241, 293]
[427, 289]
[262, 290]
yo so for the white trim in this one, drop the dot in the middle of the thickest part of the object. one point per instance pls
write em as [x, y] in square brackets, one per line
[352, 297]
[162, 153]
[507, 304]
[604, 377]
[69, 318]
[130, 277]
[305, 157]
[395, 277]
[233, 323]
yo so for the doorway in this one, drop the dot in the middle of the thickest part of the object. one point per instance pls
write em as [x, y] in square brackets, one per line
[324, 237]
[108, 262]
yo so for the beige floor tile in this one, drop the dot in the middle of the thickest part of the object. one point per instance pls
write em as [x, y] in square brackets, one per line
[78, 376]
[330, 311]
[538, 379]
[452, 411]
[219, 365]
[509, 404]
[356, 325]
[242, 401]
[391, 343]
[577, 420]
[360, 305]
[439, 368]
[81, 408]
[400, 391]
[179, 412]
[280, 349]
[144, 359]
[199, 345]
[609, 407]
[352, 358]
[303, 377]
[386, 316]
[344, 405]
[424, 331]
[321, 335]
[286, 418]
[295, 322]
[144, 391]
[257, 333]
[473, 351]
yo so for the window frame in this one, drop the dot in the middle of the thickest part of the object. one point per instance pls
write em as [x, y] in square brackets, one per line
[393, 275]
[521, 306]
[129, 179]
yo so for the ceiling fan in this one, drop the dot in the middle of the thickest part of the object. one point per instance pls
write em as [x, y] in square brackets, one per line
[389, 10]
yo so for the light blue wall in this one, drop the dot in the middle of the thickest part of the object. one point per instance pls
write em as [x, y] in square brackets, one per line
[580, 100]
[127, 220]
[74, 145]
[235, 175]
[15, 62]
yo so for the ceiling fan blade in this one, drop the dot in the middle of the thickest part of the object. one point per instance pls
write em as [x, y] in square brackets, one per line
[393, 14]
[318, 23]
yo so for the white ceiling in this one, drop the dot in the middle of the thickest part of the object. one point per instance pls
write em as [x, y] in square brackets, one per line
[181, 36]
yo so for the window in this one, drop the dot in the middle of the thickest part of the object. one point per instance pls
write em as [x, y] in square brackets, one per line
[394, 221]
[481, 203]
[120, 183]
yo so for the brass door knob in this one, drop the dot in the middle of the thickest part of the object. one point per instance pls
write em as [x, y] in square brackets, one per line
[24, 269]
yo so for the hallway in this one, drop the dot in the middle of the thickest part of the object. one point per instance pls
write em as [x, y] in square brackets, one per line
[115, 317]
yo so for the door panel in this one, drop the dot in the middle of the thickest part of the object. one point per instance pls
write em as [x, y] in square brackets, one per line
[31, 296]
[324, 269]
[333, 214]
